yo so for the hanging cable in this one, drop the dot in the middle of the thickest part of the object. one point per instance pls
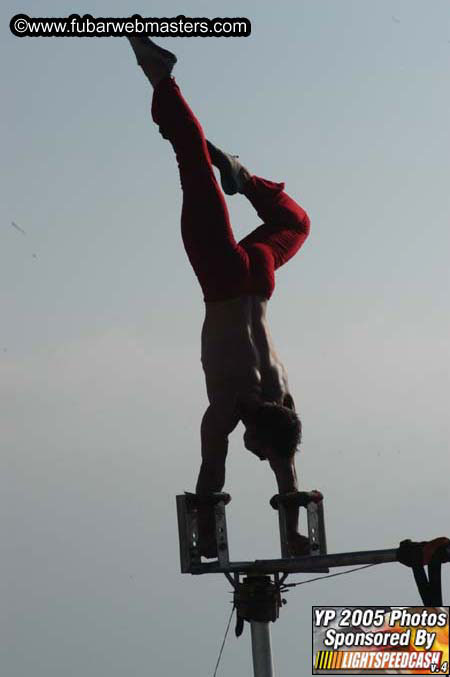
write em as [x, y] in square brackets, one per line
[224, 640]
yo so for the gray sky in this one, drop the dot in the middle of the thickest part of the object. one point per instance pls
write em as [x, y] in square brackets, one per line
[100, 379]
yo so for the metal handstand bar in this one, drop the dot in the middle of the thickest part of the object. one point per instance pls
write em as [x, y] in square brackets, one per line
[257, 597]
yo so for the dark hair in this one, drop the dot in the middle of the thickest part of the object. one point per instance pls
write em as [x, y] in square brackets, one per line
[278, 426]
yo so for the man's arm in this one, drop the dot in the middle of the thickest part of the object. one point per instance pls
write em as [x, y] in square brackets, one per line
[286, 477]
[285, 474]
[217, 424]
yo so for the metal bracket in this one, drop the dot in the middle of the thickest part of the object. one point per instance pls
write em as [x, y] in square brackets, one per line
[316, 529]
[221, 533]
[187, 514]
[188, 531]
[313, 502]
[257, 598]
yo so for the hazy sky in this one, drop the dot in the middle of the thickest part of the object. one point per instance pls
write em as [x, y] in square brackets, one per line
[100, 378]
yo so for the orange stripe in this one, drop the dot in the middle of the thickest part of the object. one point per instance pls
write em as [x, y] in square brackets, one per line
[333, 664]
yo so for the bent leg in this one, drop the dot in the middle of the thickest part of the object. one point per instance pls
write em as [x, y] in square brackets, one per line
[286, 224]
[218, 261]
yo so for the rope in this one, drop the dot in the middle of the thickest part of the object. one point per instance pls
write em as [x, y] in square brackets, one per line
[224, 639]
[320, 578]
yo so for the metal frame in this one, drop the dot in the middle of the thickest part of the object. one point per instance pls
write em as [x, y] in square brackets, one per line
[316, 532]
[258, 597]
[187, 536]
[190, 559]
[295, 565]
[221, 534]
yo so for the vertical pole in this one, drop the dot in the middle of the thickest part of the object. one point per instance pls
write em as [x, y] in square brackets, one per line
[261, 650]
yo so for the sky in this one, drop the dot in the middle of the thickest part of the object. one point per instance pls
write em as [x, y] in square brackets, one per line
[101, 385]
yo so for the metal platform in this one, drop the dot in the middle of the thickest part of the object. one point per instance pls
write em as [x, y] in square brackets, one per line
[258, 584]
[317, 562]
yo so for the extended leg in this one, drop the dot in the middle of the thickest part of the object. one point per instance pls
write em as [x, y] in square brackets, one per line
[219, 263]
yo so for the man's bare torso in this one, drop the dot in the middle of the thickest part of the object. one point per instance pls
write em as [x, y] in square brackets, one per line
[238, 355]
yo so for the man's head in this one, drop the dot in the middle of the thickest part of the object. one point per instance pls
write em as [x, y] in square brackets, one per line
[271, 430]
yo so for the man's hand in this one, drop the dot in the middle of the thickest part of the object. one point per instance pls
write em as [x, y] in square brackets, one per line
[298, 545]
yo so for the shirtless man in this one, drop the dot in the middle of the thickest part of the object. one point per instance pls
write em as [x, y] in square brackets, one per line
[245, 378]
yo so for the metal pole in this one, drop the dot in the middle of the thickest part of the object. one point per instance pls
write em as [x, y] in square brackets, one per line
[261, 650]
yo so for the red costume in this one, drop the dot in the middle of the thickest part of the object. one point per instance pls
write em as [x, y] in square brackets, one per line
[225, 268]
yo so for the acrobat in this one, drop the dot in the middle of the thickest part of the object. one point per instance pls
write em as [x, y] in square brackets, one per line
[245, 379]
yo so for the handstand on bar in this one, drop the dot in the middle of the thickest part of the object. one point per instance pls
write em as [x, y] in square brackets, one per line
[245, 378]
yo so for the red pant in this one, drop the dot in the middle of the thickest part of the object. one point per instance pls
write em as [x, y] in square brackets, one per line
[225, 269]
